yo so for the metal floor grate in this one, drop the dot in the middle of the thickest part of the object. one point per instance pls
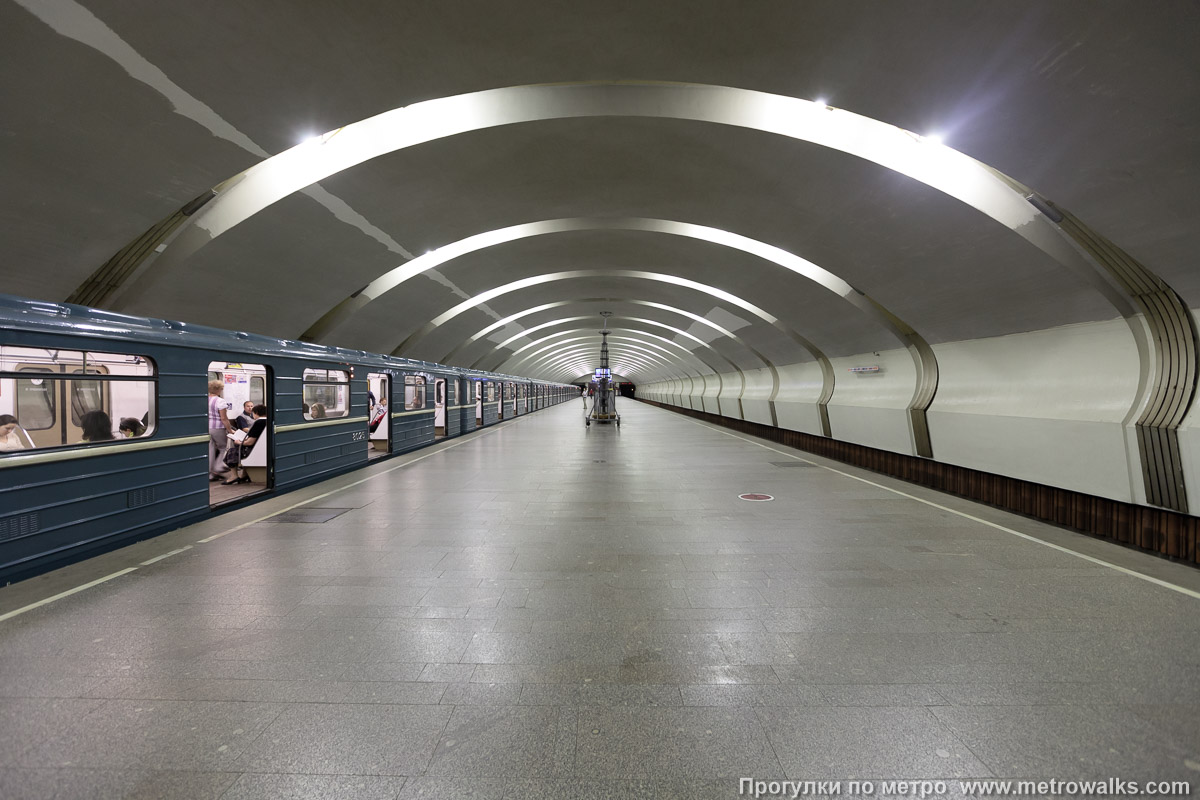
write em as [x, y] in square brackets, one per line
[314, 516]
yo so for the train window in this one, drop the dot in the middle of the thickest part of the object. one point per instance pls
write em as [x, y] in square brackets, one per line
[115, 401]
[414, 392]
[258, 390]
[86, 396]
[326, 393]
[491, 392]
[35, 401]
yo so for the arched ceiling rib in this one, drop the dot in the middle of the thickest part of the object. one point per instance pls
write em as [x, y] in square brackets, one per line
[588, 354]
[583, 343]
[616, 320]
[403, 347]
[893, 148]
[514, 360]
[797, 265]
[449, 358]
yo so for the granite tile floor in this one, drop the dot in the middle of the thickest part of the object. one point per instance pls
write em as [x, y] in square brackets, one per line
[544, 611]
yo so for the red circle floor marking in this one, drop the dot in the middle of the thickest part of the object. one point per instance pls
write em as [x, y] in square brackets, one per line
[757, 497]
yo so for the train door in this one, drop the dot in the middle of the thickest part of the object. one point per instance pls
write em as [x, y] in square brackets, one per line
[478, 404]
[439, 414]
[512, 395]
[500, 406]
[461, 401]
[248, 468]
[379, 414]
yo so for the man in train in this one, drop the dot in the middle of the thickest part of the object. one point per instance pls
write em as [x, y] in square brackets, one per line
[246, 418]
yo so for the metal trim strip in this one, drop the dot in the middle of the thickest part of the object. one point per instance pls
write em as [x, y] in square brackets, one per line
[314, 424]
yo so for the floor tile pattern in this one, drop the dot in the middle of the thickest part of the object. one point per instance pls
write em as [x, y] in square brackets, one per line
[546, 611]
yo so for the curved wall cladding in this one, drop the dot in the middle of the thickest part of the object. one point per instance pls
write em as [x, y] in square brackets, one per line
[1051, 408]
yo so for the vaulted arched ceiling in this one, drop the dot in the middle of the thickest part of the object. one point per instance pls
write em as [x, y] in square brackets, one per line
[782, 230]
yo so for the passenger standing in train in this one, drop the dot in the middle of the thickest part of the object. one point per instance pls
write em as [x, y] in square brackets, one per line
[246, 446]
[246, 418]
[219, 428]
[10, 434]
[96, 427]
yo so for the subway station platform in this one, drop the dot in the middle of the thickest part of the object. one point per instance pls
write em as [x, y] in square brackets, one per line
[539, 610]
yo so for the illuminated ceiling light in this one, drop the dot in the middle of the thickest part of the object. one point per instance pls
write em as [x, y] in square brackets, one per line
[933, 138]
[820, 103]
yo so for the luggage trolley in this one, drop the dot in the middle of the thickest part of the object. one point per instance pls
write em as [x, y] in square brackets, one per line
[604, 392]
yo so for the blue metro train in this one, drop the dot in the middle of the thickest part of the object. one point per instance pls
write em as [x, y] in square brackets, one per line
[104, 422]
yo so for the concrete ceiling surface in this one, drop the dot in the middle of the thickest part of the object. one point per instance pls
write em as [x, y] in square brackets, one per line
[117, 112]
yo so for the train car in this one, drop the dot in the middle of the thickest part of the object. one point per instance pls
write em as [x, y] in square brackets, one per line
[108, 434]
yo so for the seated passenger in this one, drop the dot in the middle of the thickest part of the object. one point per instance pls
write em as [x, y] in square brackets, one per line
[246, 418]
[240, 450]
[11, 435]
[97, 427]
[317, 411]
[131, 428]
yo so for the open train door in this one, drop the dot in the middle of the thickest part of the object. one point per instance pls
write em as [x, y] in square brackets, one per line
[379, 414]
[439, 414]
[242, 388]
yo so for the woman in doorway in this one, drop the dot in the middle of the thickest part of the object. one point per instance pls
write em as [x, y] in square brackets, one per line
[219, 428]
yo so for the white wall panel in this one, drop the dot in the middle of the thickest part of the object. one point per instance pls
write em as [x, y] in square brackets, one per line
[799, 390]
[871, 408]
[711, 392]
[1046, 406]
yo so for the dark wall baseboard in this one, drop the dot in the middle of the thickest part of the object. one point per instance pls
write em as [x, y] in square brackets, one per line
[1154, 530]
